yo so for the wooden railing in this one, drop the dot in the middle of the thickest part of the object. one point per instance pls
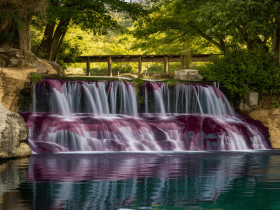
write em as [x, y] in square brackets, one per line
[138, 58]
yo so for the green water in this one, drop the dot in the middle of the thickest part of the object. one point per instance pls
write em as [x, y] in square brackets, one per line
[216, 180]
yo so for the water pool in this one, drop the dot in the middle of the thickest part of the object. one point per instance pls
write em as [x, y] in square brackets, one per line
[185, 180]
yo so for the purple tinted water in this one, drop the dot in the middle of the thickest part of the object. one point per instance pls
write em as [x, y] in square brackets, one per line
[51, 133]
[111, 120]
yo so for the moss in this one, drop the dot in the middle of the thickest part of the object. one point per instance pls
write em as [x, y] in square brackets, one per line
[137, 83]
[25, 97]
[35, 77]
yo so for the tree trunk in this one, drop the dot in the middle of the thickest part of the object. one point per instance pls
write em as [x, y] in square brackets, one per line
[24, 35]
[223, 45]
[58, 35]
[59, 46]
[53, 39]
[47, 39]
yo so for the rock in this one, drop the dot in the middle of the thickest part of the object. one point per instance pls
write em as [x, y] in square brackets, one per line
[13, 135]
[14, 50]
[188, 74]
[12, 57]
[18, 55]
[271, 120]
[56, 67]
[12, 82]
[41, 68]
[252, 99]
[244, 107]
[47, 67]
[13, 62]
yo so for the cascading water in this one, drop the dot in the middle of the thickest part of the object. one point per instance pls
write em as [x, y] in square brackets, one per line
[110, 116]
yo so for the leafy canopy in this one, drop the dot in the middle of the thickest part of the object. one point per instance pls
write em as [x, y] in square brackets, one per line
[242, 72]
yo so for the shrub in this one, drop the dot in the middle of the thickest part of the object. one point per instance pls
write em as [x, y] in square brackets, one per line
[36, 77]
[242, 72]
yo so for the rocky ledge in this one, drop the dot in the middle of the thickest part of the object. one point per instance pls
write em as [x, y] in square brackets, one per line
[188, 74]
[13, 135]
[271, 120]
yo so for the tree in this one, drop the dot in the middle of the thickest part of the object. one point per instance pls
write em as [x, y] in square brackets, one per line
[175, 21]
[89, 14]
[247, 22]
[15, 18]
[226, 24]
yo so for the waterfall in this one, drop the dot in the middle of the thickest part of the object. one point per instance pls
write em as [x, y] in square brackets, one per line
[146, 100]
[34, 99]
[107, 116]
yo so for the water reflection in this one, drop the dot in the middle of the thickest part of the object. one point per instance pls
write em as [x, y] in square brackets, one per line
[111, 181]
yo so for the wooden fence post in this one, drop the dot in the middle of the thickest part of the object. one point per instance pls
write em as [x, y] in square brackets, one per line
[165, 65]
[109, 66]
[182, 61]
[88, 66]
[139, 66]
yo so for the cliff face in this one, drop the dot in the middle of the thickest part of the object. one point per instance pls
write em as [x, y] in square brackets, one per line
[271, 119]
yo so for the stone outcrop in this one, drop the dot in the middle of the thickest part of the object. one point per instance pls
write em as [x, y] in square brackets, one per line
[13, 135]
[10, 57]
[13, 58]
[250, 101]
[270, 119]
[188, 74]
[12, 80]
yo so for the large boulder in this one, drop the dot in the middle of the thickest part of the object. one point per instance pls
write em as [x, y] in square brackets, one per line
[13, 135]
[252, 99]
[188, 74]
[12, 57]
[250, 102]
[271, 120]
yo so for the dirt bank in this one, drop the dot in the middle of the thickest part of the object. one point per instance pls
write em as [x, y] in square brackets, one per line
[12, 80]
[271, 119]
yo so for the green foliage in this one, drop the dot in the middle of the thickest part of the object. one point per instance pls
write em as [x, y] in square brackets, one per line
[275, 103]
[35, 77]
[249, 22]
[121, 68]
[157, 31]
[208, 25]
[90, 15]
[80, 42]
[242, 72]
[141, 100]
[137, 83]
[172, 82]
[10, 37]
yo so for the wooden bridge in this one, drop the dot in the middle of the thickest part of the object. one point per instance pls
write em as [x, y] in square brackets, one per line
[139, 58]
